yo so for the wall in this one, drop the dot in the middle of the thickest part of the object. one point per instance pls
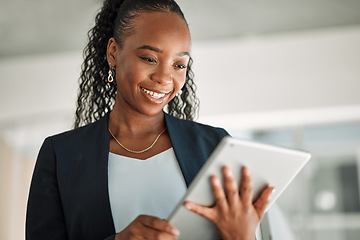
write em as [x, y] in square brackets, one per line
[259, 73]
[287, 71]
[15, 175]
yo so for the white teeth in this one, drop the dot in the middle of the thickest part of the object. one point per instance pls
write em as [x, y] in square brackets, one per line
[153, 94]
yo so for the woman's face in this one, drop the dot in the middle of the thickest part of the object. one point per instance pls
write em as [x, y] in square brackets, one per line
[151, 63]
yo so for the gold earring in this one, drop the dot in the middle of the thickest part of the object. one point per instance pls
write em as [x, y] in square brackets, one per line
[110, 75]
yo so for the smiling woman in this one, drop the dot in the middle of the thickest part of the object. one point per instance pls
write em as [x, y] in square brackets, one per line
[119, 176]
[149, 63]
[114, 22]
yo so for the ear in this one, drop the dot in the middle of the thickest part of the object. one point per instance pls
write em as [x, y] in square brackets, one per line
[112, 47]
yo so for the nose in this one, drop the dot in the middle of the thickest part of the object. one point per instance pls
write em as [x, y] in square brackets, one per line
[162, 75]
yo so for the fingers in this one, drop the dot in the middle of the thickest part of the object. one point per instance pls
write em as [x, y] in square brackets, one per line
[220, 201]
[219, 194]
[261, 203]
[246, 187]
[234, 206]
[231, 187]
[206, 212]
[148, 227]
[158, 224]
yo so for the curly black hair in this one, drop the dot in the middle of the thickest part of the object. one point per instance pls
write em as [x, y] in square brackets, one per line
[96, 96]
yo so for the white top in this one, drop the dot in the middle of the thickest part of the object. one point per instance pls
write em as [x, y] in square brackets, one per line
[153, 186]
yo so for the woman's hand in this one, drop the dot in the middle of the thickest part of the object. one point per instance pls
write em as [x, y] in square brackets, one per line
[234, 214]
[148, 227]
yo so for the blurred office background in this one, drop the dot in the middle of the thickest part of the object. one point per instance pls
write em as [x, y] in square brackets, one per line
[281, 72]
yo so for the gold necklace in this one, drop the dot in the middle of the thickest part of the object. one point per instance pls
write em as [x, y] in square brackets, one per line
[140, 151]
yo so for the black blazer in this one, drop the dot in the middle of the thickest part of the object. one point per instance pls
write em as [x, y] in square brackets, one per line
[69, 196]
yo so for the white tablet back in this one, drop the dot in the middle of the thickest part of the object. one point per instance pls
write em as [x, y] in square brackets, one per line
[269, 165]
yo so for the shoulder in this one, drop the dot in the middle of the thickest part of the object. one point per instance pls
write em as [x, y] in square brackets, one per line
[84, 131]
[197, 130]
[83, 137]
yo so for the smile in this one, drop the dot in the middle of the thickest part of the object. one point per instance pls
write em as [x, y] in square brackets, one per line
[154, 95]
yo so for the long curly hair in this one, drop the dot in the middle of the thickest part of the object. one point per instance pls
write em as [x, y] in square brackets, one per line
[96, 96]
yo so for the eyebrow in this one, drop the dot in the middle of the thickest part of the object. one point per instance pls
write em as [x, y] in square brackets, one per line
[155, 49]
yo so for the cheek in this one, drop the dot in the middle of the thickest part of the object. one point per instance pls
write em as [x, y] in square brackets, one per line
[179, 81]
[132, 74]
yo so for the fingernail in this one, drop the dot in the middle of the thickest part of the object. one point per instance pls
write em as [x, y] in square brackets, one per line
[175, 231]
[247, 171]
[188, 205]
[214, 180]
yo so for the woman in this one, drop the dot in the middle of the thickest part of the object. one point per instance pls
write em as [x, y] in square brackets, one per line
[119, 176]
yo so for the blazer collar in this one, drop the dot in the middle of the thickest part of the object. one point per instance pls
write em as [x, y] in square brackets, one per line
[182, 140]
[181, 136]
[186, 149]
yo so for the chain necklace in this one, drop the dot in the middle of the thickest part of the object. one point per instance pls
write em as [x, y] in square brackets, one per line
[140, 151]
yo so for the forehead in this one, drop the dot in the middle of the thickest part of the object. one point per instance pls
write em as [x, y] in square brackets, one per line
[159, 29]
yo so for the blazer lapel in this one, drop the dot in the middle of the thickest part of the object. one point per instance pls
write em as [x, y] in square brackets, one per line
[187, 150]
[99, 178]
[184, 144]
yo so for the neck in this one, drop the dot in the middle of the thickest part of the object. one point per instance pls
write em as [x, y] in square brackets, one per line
[130, 122]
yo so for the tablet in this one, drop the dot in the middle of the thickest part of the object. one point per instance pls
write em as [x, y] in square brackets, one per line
[269, 165]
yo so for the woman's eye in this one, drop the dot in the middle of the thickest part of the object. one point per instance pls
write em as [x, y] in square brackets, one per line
[149, 59]
[180, 66]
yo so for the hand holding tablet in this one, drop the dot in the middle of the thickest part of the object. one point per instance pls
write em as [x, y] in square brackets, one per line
[234, 214]
[269, 165]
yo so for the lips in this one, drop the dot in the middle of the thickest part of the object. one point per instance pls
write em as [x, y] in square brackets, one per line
[158, 97]
[155, 95]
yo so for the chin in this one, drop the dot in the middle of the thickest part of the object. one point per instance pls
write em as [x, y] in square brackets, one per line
[151, 112]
